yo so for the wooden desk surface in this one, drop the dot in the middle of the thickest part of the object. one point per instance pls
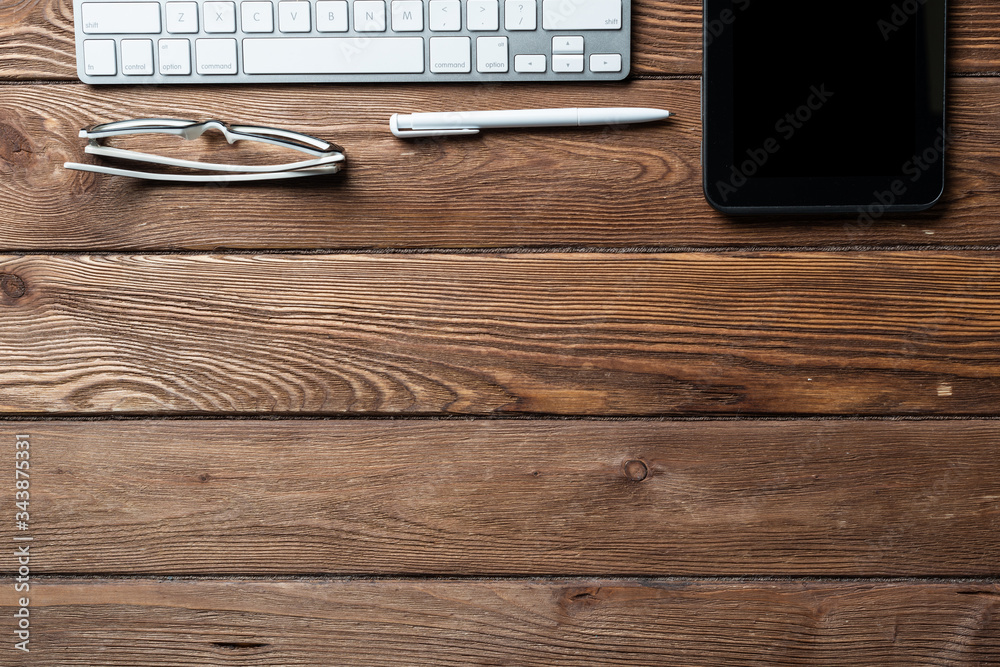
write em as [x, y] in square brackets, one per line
[517, 399]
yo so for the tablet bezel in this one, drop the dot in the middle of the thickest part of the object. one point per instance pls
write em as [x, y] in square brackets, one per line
[857, 194]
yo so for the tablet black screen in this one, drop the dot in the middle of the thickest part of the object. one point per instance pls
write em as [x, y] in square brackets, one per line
[828, 91]
[820, 105]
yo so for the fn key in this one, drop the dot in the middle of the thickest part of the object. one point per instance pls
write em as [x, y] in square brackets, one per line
[99, 57]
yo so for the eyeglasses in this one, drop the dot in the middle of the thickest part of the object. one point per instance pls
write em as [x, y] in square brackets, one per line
[327, 158]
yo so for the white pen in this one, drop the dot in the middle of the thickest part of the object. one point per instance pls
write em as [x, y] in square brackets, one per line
[470, 122]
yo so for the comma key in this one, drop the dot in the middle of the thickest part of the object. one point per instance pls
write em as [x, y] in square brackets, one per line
[445, 15]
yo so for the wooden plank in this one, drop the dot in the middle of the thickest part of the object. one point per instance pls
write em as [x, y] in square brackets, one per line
[563, 333]
[544, 623]
[511, 497]
[622, 187]
[36, 38]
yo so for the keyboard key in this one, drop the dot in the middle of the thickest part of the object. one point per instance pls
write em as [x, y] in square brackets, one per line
[451, 54]
[529, 63]
[334, 55]
[257, 17]
[605, 62]
[491, 54]
[445, 15]
[182, 17]
[331, 16]
[136, 18]
[137, 57]
[567, 44]
[567, 63]
[483, 14]
[219, 16]
[407, 15]
[216, 56]
[99, 57]
[369, 16]
[519, 15]
[293, 16]
[582, 14]
[175, 57]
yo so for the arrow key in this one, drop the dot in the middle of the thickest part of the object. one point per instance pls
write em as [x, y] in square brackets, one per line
[567, 44]
[605, 62]
[529, 63]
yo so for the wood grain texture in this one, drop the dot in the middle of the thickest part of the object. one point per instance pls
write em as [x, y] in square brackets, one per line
[513, 497]
[131, 504]
[562, 333]
[36, 38]
[530, 623]
[622, 187]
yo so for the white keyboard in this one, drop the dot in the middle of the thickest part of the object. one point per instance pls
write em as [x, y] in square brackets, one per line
[268, 41]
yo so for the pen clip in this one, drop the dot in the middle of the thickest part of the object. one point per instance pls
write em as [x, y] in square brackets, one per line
[406, 134]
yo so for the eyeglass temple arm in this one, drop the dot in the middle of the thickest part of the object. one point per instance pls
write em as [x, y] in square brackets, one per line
[138, 156]
[202, 178]
[268, 135]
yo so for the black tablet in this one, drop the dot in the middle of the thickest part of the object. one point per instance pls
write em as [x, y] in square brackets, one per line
[823, 107]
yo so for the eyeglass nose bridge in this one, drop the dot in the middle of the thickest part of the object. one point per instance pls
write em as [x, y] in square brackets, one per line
[196, 130]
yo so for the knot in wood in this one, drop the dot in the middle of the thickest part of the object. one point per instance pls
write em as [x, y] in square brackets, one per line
[15, 146]
[635, 470]
[12, 285]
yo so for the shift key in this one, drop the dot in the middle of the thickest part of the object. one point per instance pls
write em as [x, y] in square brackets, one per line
[106, 18]
[582, 14]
